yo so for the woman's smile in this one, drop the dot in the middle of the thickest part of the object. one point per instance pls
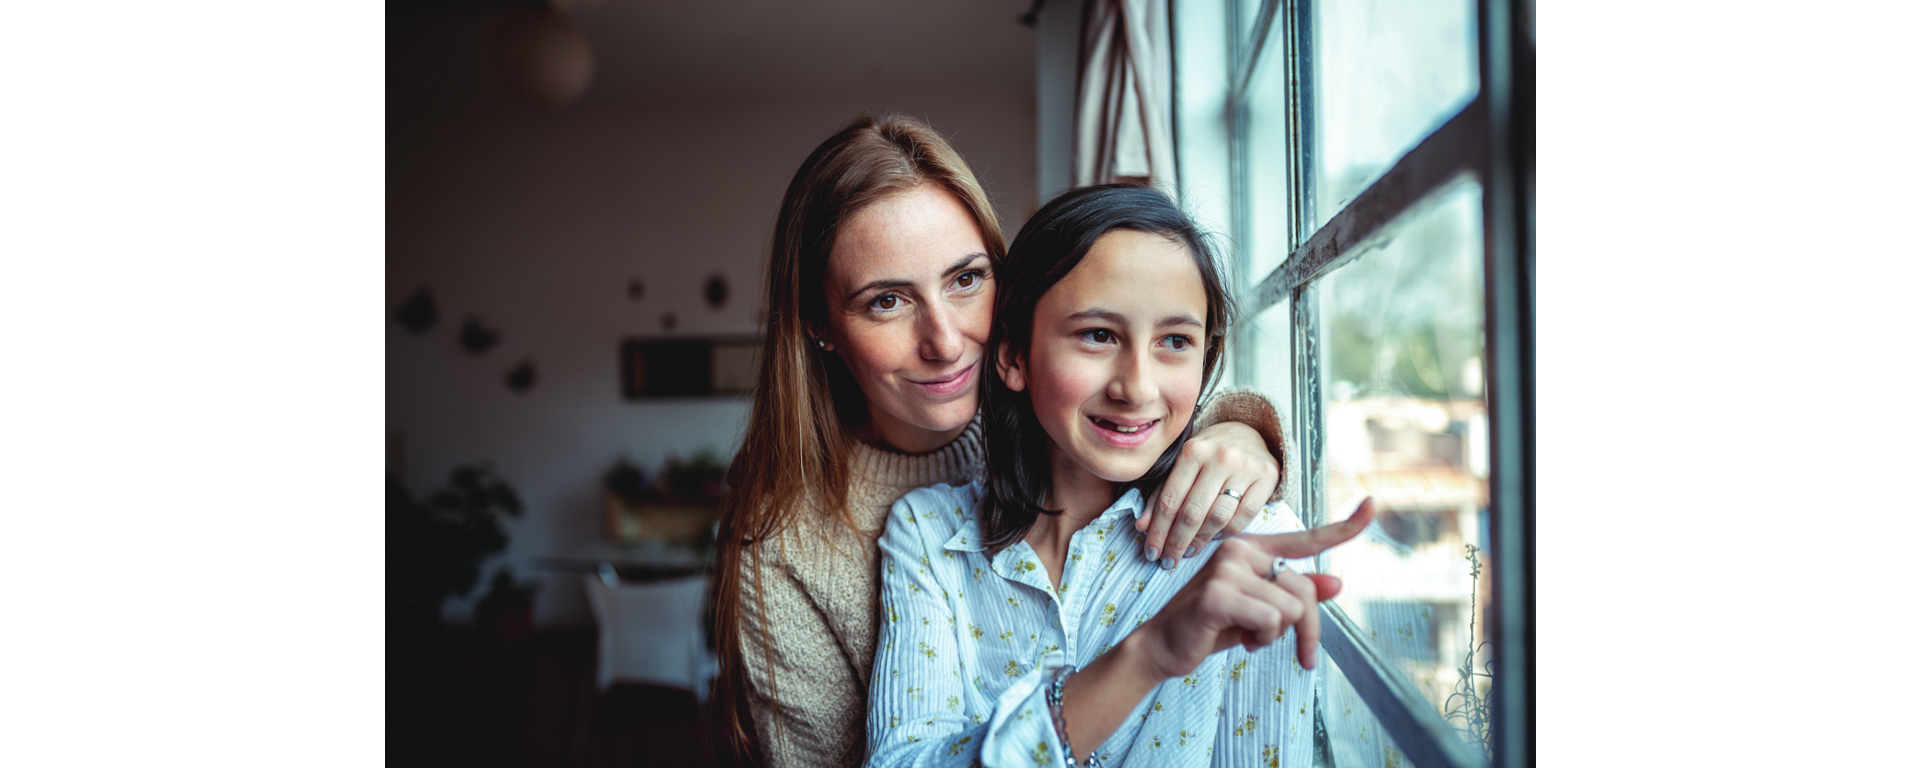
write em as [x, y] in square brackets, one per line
[948, 384]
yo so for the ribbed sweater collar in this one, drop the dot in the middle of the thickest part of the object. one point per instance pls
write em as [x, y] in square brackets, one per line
[962, 458]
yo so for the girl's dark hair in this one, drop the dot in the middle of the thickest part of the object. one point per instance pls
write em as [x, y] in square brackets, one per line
[1050, 245]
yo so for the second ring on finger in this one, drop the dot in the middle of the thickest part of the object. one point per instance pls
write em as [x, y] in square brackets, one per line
[1290, 605]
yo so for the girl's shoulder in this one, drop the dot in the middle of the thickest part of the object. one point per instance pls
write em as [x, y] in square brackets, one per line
[935, 512]
[1275, 517]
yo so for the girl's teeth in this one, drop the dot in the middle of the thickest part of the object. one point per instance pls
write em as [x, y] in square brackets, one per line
[1125, 430]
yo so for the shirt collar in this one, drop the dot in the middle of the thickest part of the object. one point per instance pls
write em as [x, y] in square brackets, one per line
[968, 538]
[1128, 503]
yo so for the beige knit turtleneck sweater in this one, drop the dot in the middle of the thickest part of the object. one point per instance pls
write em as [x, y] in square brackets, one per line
[818, 586]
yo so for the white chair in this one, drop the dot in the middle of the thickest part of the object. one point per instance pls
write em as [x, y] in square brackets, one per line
[650, 633]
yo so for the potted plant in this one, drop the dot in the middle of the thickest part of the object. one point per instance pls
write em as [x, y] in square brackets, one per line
[678, 506]
[436, 549]
[506, 613]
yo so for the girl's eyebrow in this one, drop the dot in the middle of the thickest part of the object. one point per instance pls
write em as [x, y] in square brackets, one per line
[963, 263]
[1116, 318]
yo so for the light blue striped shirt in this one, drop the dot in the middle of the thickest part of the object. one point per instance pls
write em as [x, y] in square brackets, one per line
[968, 643]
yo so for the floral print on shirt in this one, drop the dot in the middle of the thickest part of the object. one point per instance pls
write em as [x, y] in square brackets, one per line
[1001, 618]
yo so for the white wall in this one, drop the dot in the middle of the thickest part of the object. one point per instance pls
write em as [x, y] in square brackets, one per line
[535, 222]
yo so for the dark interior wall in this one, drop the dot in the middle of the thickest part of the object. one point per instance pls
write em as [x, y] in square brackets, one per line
[534, 222]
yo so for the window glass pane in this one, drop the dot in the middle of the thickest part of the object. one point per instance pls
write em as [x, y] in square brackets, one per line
[1405, 420]
[1386, 74]
[1266, 168]
[1345, 731]
[1248, 12]
[1267, 335]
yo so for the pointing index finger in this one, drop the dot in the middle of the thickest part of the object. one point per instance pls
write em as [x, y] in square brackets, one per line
[1313, 542]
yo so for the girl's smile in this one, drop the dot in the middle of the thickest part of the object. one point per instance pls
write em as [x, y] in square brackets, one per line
[1124, 433]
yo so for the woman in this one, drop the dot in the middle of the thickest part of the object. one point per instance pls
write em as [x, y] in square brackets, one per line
[879, 298]
[1016, 627]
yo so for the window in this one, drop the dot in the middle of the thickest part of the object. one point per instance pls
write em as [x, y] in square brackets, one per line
[1377, 188]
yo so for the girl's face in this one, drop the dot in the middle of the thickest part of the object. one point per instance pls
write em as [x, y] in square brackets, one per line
[1117, 357]
[909, 297]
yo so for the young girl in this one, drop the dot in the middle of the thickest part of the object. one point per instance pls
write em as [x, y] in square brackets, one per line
[1017, 627]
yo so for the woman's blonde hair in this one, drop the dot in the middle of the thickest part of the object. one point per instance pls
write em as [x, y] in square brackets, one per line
[794, 457]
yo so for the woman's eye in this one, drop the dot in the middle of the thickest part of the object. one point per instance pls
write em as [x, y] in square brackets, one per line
[888, 301]
[970, 279]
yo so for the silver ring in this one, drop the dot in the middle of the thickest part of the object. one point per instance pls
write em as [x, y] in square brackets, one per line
[1279, 564]
[1231, 494]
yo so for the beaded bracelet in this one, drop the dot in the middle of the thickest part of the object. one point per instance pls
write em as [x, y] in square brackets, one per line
[1056, 704]
[1056, 695]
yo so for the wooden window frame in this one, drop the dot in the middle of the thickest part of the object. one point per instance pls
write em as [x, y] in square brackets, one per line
[1492, 138]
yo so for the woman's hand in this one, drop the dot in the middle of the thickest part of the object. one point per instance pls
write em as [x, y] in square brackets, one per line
[1230, 601]
[1192, 506]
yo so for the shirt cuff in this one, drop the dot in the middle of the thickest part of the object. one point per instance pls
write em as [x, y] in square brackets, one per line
[1021, 731]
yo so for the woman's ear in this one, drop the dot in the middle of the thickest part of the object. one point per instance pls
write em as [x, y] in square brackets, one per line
[818, 339]
[1011, 367]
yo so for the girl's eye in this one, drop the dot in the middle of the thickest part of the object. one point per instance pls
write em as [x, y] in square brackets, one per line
[1097, 336]
[1179, 342]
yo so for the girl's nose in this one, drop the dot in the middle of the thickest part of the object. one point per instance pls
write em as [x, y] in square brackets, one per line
[1132, 383]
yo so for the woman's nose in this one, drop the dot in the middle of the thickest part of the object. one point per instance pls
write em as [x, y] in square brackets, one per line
[940, 337]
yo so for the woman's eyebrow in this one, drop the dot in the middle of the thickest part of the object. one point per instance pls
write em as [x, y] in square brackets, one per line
[963, 263]
[878, 284]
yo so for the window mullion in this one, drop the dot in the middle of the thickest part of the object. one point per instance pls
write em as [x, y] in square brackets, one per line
[1309, 436]
[1297, 57]
[1237, 181]
[1298, 31]
[1506, 89]
[1460, 145]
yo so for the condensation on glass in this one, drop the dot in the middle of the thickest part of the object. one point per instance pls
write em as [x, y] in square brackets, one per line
[1386, 74]
[1405, 421]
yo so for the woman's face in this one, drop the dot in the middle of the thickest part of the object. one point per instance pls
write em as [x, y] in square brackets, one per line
[1117, 357]
[909, 298]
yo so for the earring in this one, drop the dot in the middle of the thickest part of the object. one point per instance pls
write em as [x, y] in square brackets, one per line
[820, 343]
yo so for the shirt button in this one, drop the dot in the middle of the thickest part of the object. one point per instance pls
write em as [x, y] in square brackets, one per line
[1054, 619]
